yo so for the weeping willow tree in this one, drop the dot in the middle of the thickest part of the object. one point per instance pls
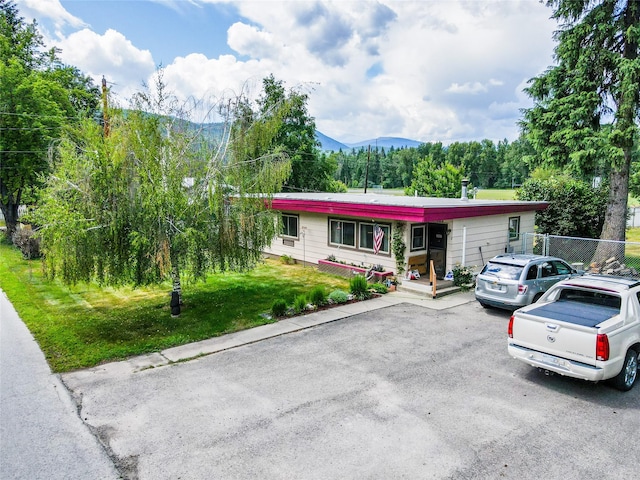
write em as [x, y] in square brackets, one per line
[153, 197]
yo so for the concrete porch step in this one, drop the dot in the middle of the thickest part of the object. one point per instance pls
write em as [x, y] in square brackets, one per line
[442, 288]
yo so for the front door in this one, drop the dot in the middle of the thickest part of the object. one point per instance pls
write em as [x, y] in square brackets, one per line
[437, 248]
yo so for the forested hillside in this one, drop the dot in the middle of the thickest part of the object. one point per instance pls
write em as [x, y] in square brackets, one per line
[486, 164]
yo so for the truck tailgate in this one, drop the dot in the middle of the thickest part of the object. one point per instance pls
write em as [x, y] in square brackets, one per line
[561, 338]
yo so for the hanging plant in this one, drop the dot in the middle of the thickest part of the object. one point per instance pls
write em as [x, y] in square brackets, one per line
[398, 247]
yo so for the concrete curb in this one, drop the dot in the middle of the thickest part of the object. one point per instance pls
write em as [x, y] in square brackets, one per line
[194, 350]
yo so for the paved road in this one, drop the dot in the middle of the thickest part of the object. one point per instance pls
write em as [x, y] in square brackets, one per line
[405, 391]
[41, 435]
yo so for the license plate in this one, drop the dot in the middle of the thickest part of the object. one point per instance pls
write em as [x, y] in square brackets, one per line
[551, 360]
[497, 287]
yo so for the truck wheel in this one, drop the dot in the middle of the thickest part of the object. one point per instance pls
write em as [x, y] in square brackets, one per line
[627, 377]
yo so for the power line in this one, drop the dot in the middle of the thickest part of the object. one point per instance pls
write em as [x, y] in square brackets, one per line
[29, 128]
[37, 115]
[24, 151]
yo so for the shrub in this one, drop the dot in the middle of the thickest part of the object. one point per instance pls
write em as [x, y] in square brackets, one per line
[279, 308]
[359, 287]
[378, 287]
[300, 303]
[462, 276]
[338, 296]
[318, 296]
[29, 245]
[287, 260]
[576, 208]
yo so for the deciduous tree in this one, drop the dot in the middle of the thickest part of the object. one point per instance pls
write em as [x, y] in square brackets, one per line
[431, 181]
[296, 135]
[38, 96]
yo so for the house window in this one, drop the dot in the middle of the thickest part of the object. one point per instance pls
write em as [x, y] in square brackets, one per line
[342, 233]
[514, 228]
[289, 226]
[418, 236]
[367, 237]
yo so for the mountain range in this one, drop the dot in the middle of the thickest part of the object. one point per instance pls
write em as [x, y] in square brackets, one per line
[328, 144]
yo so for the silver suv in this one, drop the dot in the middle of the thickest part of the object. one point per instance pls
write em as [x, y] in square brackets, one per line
[511, 281]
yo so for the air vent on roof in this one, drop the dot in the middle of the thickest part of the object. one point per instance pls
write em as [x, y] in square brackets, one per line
[465, 183]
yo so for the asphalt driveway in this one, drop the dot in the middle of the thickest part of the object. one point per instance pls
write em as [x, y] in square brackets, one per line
[400, 392]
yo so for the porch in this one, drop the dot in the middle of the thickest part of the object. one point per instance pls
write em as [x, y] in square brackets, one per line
[423, 287]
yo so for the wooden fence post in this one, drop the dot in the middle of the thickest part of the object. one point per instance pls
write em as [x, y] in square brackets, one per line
[432, 278]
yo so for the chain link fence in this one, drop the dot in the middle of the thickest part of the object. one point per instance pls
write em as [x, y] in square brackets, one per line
[592, 255]
[633, 220]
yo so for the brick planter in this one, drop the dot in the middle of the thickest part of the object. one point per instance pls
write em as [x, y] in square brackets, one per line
[336, 268]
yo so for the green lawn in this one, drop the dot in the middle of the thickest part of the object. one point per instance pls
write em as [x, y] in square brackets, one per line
[494, 194]
[84, 325]
[483, 194]
[632, 250]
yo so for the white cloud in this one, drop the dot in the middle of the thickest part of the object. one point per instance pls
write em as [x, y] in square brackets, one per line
[250, 41]
[110, 55]
[51, 9]
[467, 88]
[438, 70]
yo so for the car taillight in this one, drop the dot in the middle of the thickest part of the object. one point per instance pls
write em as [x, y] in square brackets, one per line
[522, 289]
[602, 347]
[510, 328]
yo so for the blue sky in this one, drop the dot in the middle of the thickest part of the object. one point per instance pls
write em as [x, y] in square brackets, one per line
[429, 70]
[166, 31]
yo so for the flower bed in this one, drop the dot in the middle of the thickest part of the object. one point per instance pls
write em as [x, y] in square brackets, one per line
[345, 270]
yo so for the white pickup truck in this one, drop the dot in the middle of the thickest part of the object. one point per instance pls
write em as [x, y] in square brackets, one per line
[585, 327]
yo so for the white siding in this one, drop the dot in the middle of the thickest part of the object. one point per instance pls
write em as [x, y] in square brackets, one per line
[313, 244]
[486, 237]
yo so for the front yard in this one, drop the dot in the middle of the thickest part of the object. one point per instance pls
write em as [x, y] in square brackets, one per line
[85, 325]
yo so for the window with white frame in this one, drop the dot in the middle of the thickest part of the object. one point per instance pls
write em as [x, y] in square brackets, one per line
[367, 237]
[418, 237]
[514, 228]
[289, 225]
[342, 233]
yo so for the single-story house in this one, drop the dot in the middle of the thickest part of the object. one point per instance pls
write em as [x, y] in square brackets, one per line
[447, 231]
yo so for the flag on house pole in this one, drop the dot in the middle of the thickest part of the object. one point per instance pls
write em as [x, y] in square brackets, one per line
[378, 235]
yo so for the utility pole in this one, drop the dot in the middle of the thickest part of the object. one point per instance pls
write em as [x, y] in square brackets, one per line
[105, 117]
[366, 172]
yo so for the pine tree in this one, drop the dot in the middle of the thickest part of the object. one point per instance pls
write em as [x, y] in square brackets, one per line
[596, 81]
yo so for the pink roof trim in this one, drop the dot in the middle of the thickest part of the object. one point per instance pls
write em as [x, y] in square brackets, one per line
[402, 213]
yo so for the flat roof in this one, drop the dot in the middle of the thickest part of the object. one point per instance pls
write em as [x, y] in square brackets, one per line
[398, 207]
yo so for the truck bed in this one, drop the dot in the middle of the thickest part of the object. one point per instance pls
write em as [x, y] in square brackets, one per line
[576, 312]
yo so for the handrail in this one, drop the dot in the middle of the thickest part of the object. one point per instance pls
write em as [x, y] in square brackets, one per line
[432, 278]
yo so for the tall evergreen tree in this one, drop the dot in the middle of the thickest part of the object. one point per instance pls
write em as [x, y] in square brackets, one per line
[596, 80]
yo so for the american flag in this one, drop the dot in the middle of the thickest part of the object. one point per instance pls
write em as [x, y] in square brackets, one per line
[378, 235]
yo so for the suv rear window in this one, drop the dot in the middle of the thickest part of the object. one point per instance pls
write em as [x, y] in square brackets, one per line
[591, 297]
[502, 270]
